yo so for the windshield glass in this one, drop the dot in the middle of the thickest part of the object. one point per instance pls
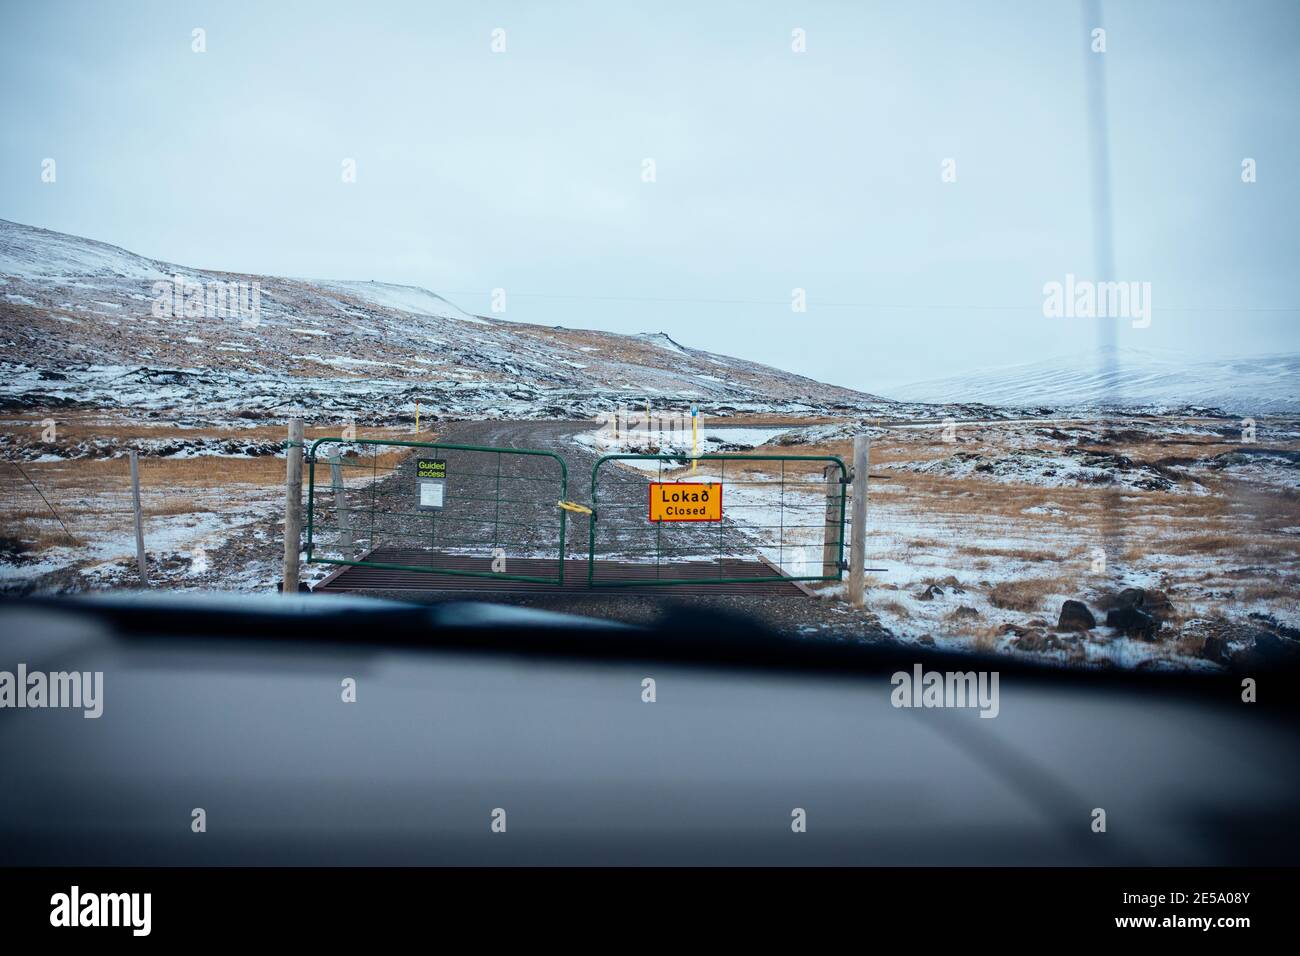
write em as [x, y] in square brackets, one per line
[933, 326]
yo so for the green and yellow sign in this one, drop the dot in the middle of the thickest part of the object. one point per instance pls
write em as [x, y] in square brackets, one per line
[430, 468]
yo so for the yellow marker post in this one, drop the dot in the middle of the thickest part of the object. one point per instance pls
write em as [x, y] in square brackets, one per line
[417, 418]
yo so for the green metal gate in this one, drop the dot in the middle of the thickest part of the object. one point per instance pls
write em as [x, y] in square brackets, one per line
[446, 509]
[785, 511]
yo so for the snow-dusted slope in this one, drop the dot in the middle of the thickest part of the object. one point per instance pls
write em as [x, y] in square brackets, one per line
[400, 298]
[30, 253]
[80, 321]
[1129, 378]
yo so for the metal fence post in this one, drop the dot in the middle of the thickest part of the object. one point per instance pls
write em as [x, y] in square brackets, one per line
[292, 507]
[139, 520]
[858, 549]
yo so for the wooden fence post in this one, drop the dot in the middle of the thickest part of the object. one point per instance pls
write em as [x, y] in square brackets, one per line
[292, 507]
[858, 547]
[139, 520]
[340, 490]
[833, 539]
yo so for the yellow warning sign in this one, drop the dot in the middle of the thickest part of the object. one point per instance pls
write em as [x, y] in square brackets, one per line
[685, 501]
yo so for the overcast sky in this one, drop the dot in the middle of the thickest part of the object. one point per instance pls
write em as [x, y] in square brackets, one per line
[775, 170]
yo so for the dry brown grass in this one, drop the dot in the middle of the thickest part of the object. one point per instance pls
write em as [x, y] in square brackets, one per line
[39, 536]
[172, 506]
[1204, 543]
[984, 639]
[1262, 548]
[1269, 592]
[894, 608]
[981, 637]
[204, 472]
[1026, 595]
[1030, 555]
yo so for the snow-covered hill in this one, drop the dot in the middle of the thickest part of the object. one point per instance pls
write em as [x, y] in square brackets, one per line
[89, 323]
[1127, 378]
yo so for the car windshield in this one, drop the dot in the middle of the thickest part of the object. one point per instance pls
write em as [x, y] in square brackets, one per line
[965, 330]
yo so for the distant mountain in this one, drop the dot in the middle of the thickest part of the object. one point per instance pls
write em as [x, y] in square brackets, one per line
[86, 322]
[1127, 378]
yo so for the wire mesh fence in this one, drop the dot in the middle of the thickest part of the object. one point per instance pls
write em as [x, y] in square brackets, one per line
[786, 511]
[450, 509]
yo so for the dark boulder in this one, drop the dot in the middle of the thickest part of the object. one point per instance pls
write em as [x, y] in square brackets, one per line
[1275, 626]
[1075, 616]
[1158, 605]
[1153, 603]
[1271, 649]
[1215, 649]
[1134, 623]
[1129, 597]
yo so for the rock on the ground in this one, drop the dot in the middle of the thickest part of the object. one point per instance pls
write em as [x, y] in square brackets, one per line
[1153, 603]
[1133, 622]
[1075, 616]
[1273, 649]
[1215, 649]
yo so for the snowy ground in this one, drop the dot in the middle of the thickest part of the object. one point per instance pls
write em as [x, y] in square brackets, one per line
[969, 557]
[184, 548]
[709, 440]
[979, 541]
[988, 555]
